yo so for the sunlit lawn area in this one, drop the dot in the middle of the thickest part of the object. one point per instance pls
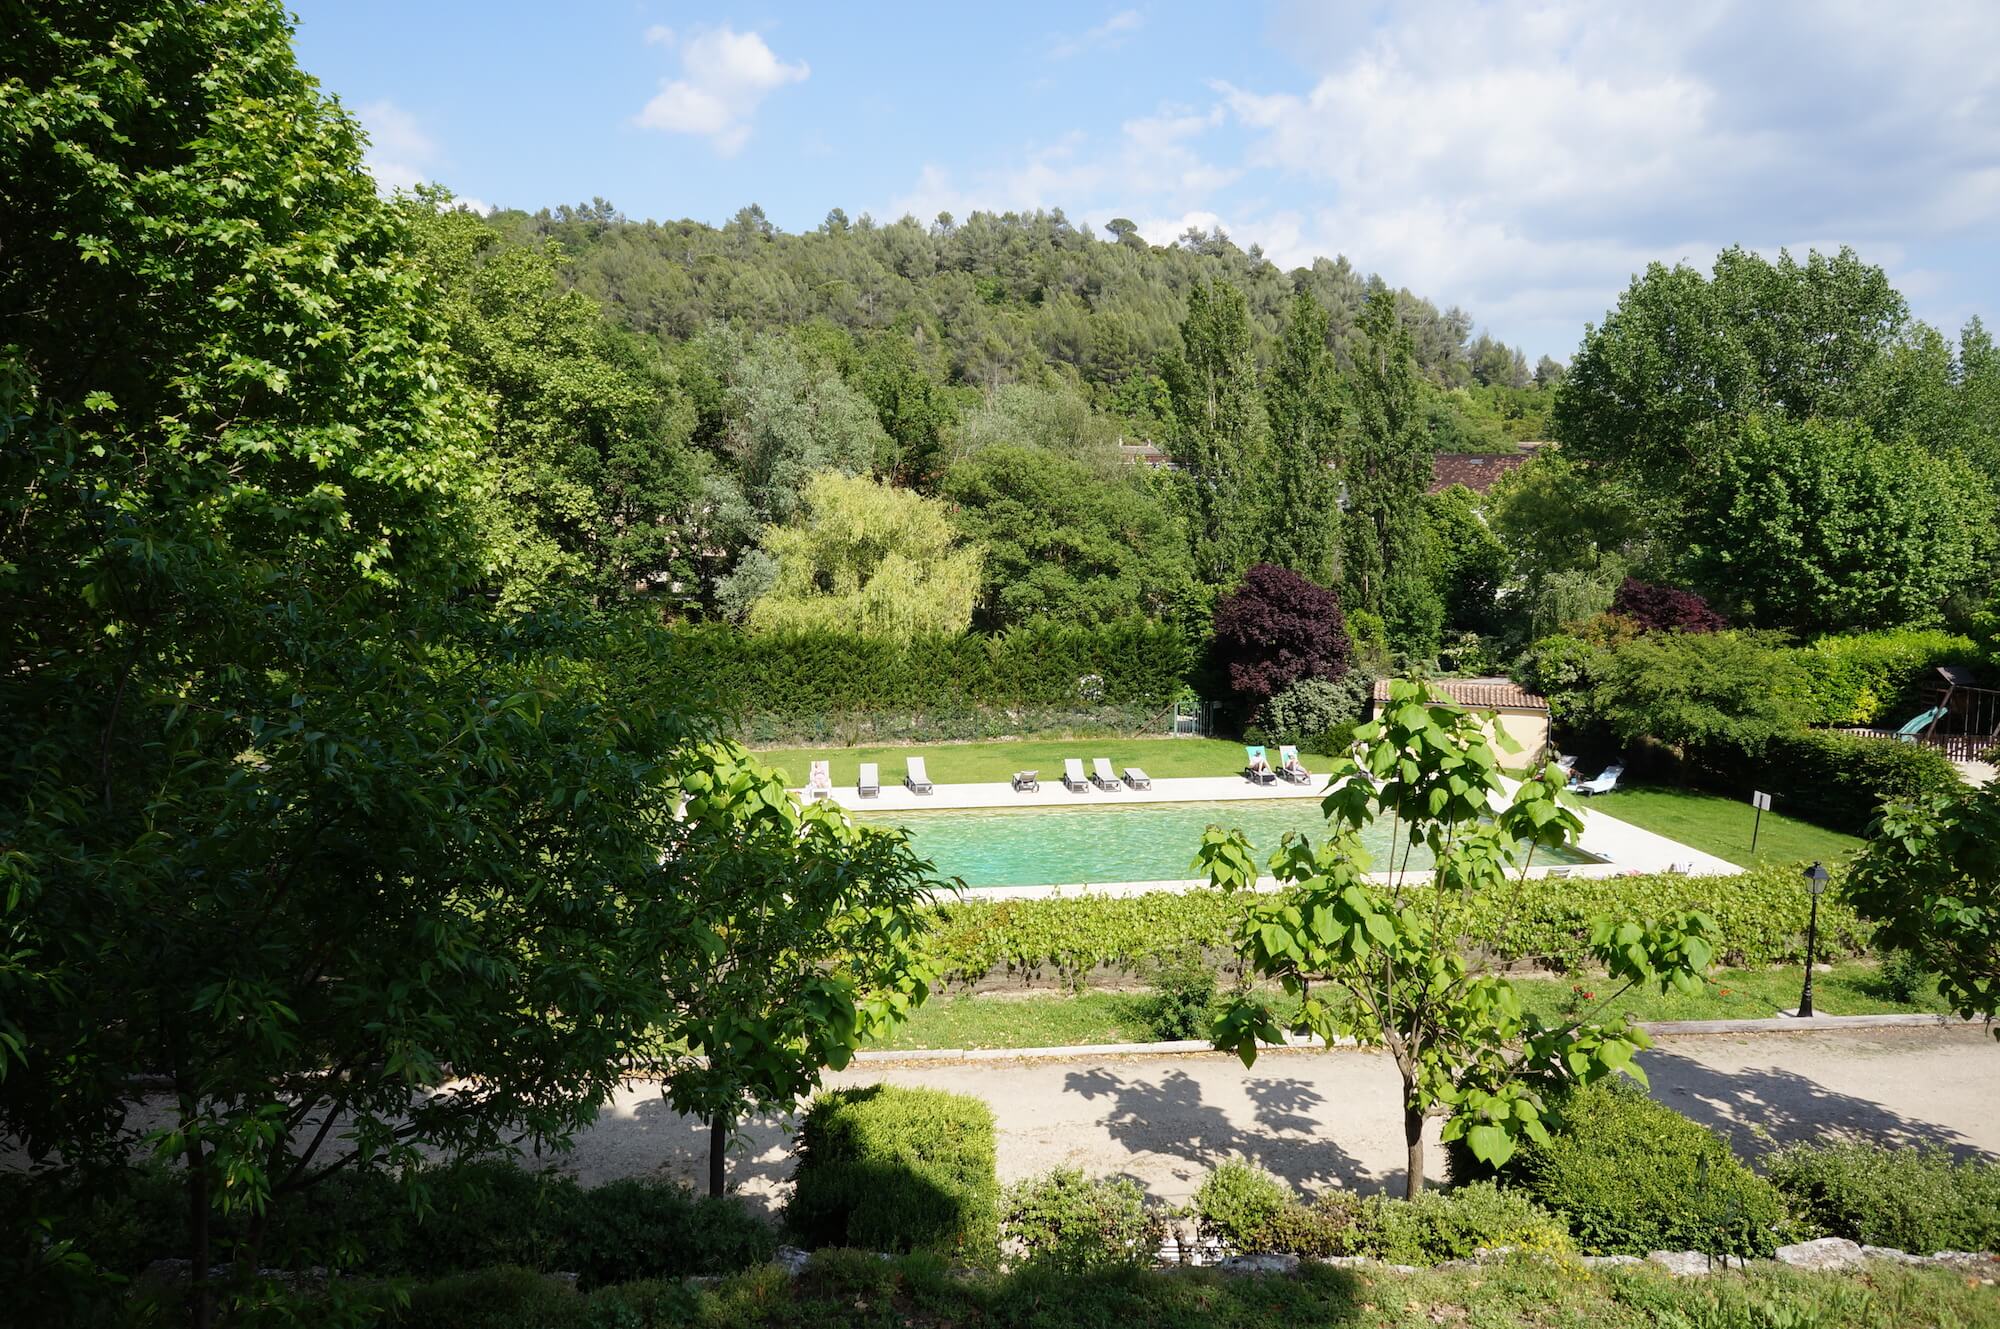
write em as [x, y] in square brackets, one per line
[1721, 826]
[974, 763]
[1059, 1020]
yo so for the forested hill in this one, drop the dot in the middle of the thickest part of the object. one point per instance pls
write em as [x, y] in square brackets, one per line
[1010, 298]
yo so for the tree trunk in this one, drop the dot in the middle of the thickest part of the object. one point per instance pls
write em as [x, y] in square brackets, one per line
[1413, 1136]
[718, 1150]
[201, 1300]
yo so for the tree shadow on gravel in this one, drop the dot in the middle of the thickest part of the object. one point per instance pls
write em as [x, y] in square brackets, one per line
[1168, 1116]
[1759, 1108]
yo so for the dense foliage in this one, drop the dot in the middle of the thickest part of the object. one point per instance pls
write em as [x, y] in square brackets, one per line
[893, 1169]
[1665, 608]
[1065, 1221]
[1914, 1198]
[1276, 629]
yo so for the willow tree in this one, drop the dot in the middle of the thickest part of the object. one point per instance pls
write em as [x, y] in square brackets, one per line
[1378, 957]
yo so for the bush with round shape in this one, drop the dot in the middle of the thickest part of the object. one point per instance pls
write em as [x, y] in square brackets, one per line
[1917, 1199]
[1237, 1204]
[1183, 997]
[1633, 1176]
[1275, 629]
[1457, 1223]
[1312, 711]
[1665, 608]
[1070, 1223]
[886, 1168]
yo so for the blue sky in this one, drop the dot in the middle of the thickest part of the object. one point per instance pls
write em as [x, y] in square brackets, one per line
[1522, 161]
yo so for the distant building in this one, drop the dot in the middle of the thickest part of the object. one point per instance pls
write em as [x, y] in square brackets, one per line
[1476, 470]
[1499, 703]
[1145, 453]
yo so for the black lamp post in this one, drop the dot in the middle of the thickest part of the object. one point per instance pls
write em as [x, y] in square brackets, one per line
[1815, 883]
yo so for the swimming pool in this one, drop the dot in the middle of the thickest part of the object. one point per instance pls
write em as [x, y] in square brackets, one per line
[1135, 842]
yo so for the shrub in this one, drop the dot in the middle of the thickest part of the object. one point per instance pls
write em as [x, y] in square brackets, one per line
[644, 1228]
[1308, 711]
[1454, 1224]
[1872, 677]
[1248, 1210]
[1664, 608]
[1696, 690]
[1072, 1224]
[1275, 629]
[503, 1296]
[1633, 1176]
[1904, 977]
[893, 1169]
[1838, 781]
[1562, 669]
[1183, 997]
[1913, 1199]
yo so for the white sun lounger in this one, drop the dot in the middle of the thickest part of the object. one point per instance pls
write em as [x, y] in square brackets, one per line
[917, 780]
[1137, 778]
[869, 785]
[1101, 776]
[1027, 782]
[1073, 775]
[821, 784]
[1605, 781]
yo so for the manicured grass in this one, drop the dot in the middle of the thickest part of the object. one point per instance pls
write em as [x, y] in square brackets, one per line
[1721, 826]
[1060, 1020]
[976, 763]
[860, 1290]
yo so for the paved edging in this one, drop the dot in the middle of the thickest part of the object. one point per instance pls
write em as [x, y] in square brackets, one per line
[1197, 1047]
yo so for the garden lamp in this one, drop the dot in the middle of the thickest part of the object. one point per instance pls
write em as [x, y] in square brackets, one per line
[1816, 877]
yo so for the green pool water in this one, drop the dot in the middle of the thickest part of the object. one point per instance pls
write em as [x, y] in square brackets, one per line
[1050, 846]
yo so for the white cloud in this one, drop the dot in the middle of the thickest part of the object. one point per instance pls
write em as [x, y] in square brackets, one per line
[725, 77]
[1108, 35]
[400, 154]
[659, 35]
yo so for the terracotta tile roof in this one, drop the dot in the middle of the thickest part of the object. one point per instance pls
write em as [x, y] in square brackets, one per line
[1478, 694]
[1475, 470]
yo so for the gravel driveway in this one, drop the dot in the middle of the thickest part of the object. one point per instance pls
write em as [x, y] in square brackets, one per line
[1332, 1118]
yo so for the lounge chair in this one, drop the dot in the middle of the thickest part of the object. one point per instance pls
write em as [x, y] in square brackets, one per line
[1073, 776]
[821, 784]
[1027, 782]
[1137, 778]
[869, 783]
[1289, 768]
[916, 779]
[1605, 781]
[1101, 776]
[1255, 768]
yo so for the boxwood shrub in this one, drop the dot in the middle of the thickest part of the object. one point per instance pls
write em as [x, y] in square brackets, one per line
[1913, 1199]
[886, 1168]
[1632, 1176]
[1071, 1223]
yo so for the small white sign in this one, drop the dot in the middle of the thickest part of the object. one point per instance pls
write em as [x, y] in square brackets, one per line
[1761, 801]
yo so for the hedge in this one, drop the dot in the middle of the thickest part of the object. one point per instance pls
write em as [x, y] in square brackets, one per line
[1633, 1176]
[1920, 1200]
[816, 686]
[1874, 677]
[893, 1169]
[1071, 1223]
[1760, 916]
[1838, 781]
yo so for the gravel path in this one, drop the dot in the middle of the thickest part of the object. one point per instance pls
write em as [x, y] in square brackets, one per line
[1332, 1118]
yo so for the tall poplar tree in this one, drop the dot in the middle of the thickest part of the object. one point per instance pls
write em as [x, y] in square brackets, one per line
[1302, 399]
[1219, 434]
[1388, 458]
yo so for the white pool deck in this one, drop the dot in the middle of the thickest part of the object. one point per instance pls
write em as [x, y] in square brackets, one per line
[1625, 848]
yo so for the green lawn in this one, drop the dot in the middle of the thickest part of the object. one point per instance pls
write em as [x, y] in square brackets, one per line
[1721, 826]
[1059, 1020]
[975, 763]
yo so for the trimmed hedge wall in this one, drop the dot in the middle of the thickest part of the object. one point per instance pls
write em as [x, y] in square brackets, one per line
[892, 1169]
[1838, 781]
[1760, 914]
[1872, 678]
[819, 686]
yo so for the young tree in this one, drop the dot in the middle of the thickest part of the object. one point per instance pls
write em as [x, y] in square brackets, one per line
[1930, 879]
[1381, 962]
[863, 557]
[1302, 398]
[1388, 457]
[1219, 433]
[807, 927]
[1275, 629]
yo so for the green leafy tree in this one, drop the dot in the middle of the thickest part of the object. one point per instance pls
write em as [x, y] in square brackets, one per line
[1469, 565]
[1723, 690]
[1388, 462]
[1382, 962]
[807, 929]
[790, 418]
[1219, 434]
[1930, 880]
[1303, 400]
[1822, 526]
[916, 410]
[1557, 516]
[863, 557]
[1067, 542]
